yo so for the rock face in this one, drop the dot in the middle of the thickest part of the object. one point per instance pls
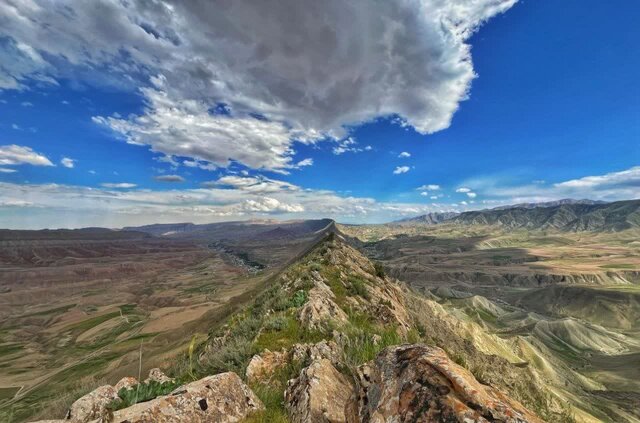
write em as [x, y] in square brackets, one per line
[127, 382]
[262, 366]
[156, 375]
[320, 308]
[417, 383]
[221, 398]
[319, 394]
[93, 405]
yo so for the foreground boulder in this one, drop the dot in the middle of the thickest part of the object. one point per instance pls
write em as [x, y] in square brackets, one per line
[221, 398]
[93, 406]
[417, 383]
[319, 394]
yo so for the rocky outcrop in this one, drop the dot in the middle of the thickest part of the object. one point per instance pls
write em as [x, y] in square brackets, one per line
[320, 309]
[127, 382]
[262, 366]
[93, 406]
[221, 398]
[319, 394]
[156, 375]
[417, 383]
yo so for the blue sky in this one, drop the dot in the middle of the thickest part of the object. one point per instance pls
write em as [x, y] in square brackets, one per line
[315, 120]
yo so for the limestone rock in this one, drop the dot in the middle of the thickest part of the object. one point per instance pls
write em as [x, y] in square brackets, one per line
[222, 398]
[306, 353]
[93, 405]
[263, 365]
[319, 394]
[320, 309]
[157, 375]
[127, 382]
[417, 383]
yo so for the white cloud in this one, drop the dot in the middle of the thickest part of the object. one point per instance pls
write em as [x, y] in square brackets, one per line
[7, 170]
[619, 185]
[26, 104]
[67, 162]
[401, 169]
[424, 193]
[348, 145]
[463, 190]
[119, 185]
[11, 155]
[472, 195]
[295, 70]
[169, 178]
[404, 154]
[231, 197]
[305, 162]
[428, 187]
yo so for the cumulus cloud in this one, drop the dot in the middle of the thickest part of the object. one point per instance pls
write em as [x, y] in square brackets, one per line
[169, 178]
[229, 197]
[618, 185]
[404, 155]
[11, 155]
[401, 169]
[67, 162]
[243, 80]
[472, 195]
[118, 185]
[428, 187]
[349, 145]
[463, 190]
[424, 193]
[305, 162]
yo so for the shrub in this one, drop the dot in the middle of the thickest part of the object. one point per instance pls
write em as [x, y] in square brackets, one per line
[142, 392]
[357, 287]
[298, 299]
[276, 323]
[379, 270]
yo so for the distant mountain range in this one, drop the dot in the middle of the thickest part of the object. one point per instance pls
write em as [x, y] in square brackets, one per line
[563, 202]
[564, 215]
[429, 218]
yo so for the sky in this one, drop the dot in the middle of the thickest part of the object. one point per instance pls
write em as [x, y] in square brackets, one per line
[118, 113]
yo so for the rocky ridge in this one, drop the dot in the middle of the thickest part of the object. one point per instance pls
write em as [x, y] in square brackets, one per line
[333, 339]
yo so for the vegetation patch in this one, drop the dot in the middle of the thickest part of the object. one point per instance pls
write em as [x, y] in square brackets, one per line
[142, 392]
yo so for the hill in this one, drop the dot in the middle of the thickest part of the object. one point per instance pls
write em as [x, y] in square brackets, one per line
[616, 216]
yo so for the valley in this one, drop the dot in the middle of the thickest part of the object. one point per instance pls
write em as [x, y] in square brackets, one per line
[548, 316]
[566, 303]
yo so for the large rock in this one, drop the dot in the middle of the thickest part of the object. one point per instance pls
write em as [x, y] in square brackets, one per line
[222, 398]
[306, 353]
[93, 405]
[321, 309]
[262, 366]
[127, 382]
[157, 375]
[417, 383]
[319, 394]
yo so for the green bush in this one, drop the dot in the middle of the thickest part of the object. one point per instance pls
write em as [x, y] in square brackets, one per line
[379, 270]
[357, 287]
[276, 323]
[142, 392]
[298, 299]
